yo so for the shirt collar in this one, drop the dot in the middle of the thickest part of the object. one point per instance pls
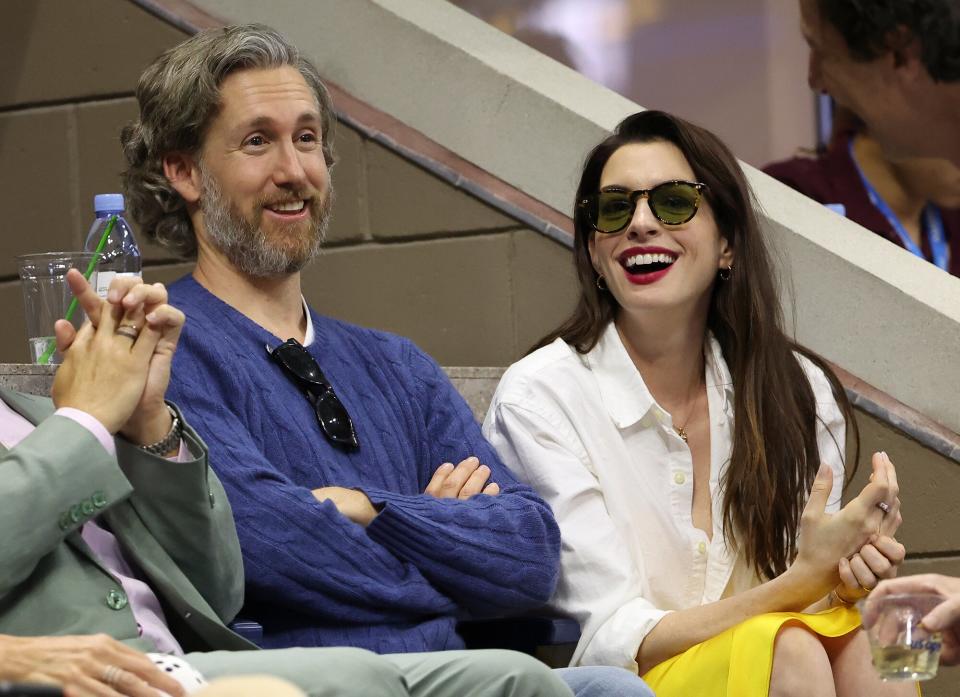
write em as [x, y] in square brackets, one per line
[308, 334]
[622, 389]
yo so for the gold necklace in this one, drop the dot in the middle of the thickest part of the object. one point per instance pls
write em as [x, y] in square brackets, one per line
[682, 429]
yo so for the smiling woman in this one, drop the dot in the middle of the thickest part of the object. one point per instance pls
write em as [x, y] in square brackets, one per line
[693, 453]
[687, 260]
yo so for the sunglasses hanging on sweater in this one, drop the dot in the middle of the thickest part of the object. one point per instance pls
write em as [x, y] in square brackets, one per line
[303, 370]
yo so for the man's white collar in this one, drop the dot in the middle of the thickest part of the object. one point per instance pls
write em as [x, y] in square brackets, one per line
[308, 334]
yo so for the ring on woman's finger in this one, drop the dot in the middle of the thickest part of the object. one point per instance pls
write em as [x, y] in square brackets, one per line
[884, 506]
[113, 675]
[128, 330]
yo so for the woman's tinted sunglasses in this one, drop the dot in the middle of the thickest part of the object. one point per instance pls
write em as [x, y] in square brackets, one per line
[672, 202]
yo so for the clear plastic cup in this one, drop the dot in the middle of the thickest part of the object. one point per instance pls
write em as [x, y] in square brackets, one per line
[902, 648]
[46, 297]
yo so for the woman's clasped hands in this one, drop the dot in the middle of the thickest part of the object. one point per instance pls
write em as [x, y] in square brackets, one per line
[850, 551]
[881, 556]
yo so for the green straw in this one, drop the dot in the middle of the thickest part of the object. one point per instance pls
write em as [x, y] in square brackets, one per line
[52, 346]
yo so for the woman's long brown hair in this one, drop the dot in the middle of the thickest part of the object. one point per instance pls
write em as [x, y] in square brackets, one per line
[775, 456]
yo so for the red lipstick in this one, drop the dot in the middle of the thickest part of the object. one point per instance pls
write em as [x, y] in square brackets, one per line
[648, 277]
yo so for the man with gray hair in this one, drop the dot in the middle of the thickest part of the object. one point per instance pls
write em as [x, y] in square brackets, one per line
[370, 509]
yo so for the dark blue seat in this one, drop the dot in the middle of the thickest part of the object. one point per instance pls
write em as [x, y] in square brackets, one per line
[249, 630]
[528, 634]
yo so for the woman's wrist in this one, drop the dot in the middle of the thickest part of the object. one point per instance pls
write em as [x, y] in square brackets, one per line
[796, 590]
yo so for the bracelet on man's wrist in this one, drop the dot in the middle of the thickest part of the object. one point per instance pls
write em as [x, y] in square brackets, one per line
[171, 440]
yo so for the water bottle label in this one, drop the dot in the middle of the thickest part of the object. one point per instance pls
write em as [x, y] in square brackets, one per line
[104, 278]
[103, 281]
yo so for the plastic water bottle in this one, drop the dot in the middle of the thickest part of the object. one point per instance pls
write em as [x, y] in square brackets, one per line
[120, 254]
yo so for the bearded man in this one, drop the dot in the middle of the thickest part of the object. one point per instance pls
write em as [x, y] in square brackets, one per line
[371, 511]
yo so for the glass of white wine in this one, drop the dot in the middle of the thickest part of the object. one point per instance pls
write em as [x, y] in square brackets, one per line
[902, 648]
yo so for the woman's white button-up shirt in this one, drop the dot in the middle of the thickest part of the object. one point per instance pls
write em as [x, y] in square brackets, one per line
[585, 431]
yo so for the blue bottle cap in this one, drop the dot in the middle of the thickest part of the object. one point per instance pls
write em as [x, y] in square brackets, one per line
[108, 203]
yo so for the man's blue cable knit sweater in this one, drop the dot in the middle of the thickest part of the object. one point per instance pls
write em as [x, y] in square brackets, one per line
[313, 577]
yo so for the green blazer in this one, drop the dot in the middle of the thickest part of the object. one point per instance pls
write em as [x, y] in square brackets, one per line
[172, 520]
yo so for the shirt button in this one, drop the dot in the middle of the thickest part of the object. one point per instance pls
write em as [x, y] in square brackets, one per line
[702, 548]
[679, 478]
[116, 599]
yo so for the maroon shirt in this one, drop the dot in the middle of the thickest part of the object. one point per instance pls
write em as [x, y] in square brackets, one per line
[833, 178]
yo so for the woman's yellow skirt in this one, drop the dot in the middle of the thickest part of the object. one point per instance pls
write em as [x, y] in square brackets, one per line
[737, 662]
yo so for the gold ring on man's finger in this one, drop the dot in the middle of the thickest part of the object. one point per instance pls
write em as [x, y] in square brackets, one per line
[128, 330]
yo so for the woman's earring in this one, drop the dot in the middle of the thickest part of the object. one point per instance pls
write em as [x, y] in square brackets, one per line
[726, 273]
[601, 284]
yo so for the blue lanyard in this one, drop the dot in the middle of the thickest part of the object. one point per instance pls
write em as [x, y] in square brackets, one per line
[932, 222]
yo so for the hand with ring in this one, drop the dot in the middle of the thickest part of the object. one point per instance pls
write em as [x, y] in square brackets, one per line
[944, 618]
[117, 366]
[129, 330]
[84, 665]
[882, 556]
